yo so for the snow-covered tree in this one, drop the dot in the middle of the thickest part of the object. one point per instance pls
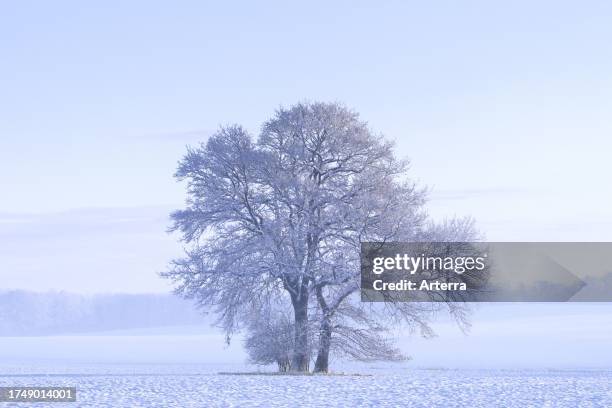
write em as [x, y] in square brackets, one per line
[270, 334]
[270, 339]
[359, 330]
[286, 214]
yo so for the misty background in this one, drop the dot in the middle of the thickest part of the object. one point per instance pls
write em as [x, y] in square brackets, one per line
[503, 109]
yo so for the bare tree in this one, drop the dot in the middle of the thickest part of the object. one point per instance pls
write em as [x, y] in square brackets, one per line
[357, 335]
[287, 214]
[270, 338]
[358, 329]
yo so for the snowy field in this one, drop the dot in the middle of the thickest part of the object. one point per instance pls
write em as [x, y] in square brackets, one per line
[168, 385]
[544, 355]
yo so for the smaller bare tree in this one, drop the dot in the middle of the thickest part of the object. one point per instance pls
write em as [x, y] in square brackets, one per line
[270, 338]
[358, 336]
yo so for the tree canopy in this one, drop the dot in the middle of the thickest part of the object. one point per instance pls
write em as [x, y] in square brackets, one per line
[284, 215]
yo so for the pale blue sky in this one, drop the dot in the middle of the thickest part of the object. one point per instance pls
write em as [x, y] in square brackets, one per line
[504, 109]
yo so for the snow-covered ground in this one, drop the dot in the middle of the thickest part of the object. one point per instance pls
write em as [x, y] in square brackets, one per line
[141, 385]
[559, 357]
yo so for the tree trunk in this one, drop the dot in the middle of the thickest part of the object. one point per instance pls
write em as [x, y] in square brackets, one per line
[301, 357]
[284, 364]
[322, 363]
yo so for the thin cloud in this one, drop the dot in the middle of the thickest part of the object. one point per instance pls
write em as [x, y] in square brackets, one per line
[476, 193]
[186, 136]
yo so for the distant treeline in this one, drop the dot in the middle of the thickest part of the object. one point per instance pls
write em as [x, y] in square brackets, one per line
[30, 313]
